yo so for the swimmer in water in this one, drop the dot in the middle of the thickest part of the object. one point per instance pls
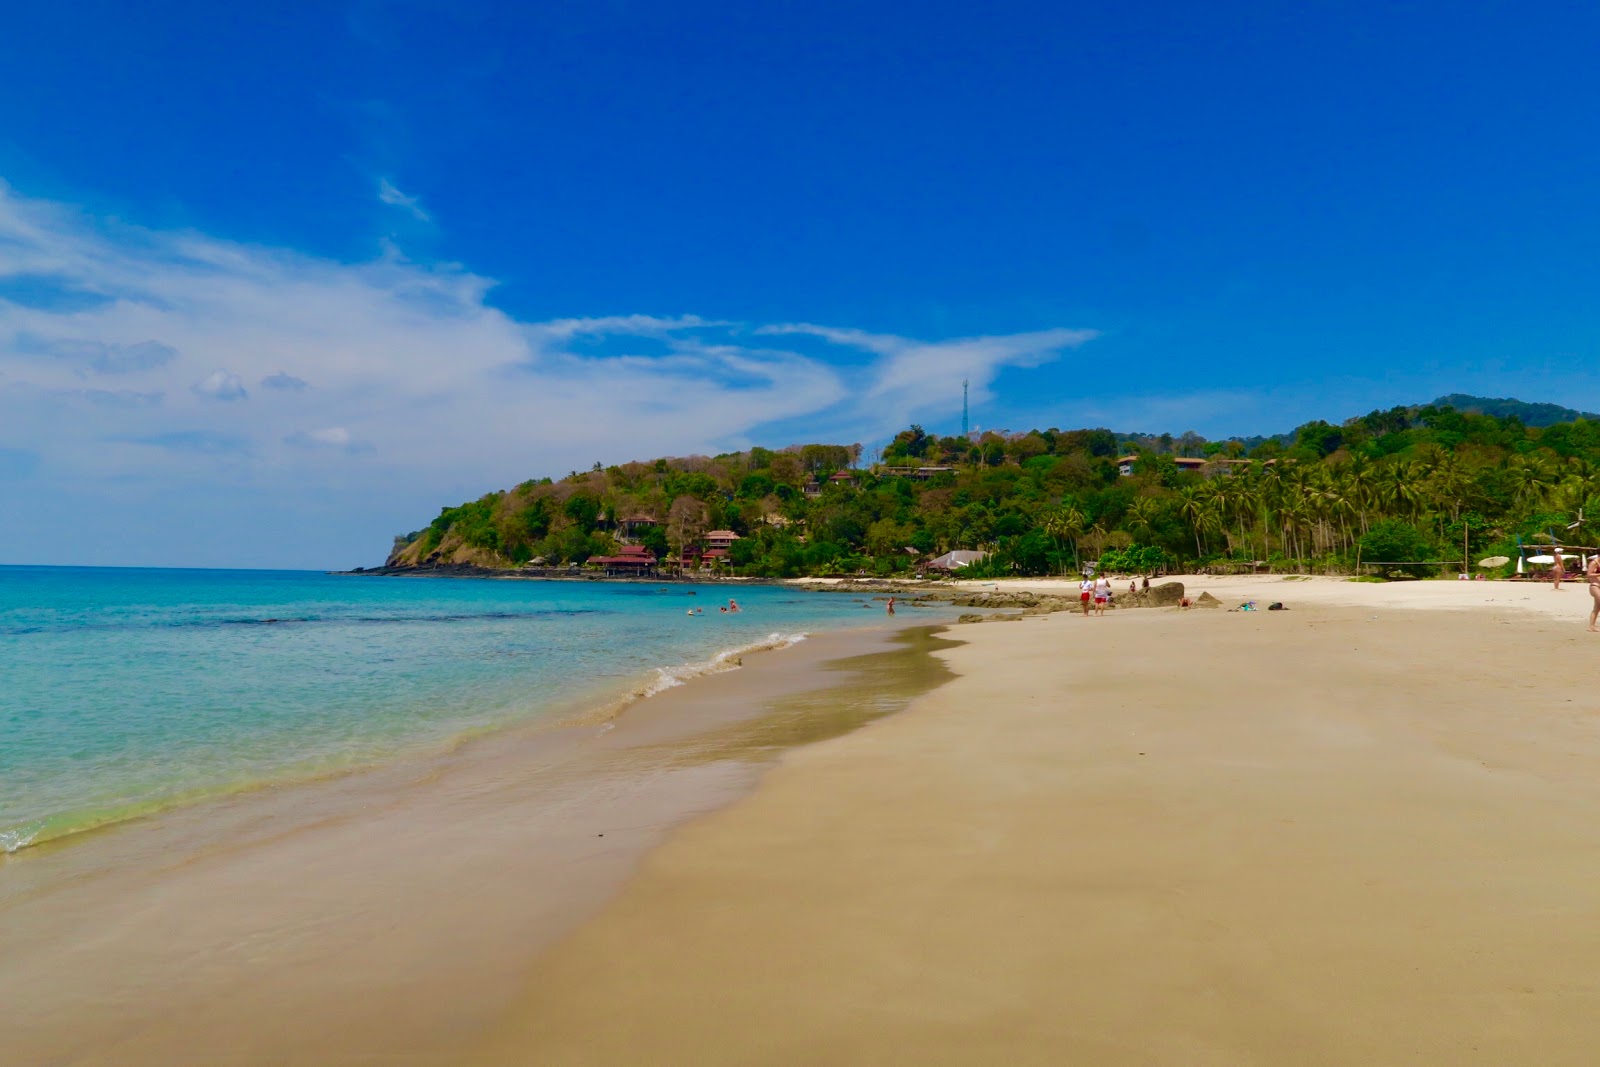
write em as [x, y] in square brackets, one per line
[732, 604]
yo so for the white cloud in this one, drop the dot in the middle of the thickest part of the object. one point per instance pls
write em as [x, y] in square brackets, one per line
[221, 385]
[423, 390]
[391, 195]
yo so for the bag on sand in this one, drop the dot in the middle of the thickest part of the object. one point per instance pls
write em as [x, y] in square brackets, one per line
[1276, 605]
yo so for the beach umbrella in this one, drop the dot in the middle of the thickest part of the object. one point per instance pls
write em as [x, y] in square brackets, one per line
[1541, 559]
[1494, 561]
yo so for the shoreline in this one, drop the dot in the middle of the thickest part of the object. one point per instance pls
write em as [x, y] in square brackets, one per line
[600, 704]
[279, 904]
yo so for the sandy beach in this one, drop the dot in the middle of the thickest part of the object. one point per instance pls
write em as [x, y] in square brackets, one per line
[1362, 831]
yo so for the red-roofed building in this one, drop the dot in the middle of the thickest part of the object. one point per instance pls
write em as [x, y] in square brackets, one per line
[721, 539]
[630, 559]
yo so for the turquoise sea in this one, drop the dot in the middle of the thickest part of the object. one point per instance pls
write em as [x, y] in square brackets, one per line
[123, 691]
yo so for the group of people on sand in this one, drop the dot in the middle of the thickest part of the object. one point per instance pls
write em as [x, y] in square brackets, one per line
[1096, 592]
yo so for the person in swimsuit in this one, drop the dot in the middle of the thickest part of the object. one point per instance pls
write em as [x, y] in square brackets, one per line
[1102, 594]
[1591, 574]
[891, 606]
[1559, 571]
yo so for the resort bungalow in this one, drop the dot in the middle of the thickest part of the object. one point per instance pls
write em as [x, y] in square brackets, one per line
[953, 561]
[843, 478]
[630, 559]
[721, 539]
[634, 526]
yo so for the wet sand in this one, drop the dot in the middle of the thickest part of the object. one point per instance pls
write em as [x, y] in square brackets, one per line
[391, 917]
[1331, 835]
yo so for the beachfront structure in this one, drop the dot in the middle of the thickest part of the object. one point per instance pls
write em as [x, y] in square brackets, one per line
[843, 478]
[721, 540]
[630, 559]
[955, 560]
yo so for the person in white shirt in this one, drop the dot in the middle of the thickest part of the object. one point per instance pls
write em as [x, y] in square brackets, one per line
[1085, 593]
[1102, 594]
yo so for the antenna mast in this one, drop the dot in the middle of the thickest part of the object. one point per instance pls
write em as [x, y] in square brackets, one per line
[964, 430]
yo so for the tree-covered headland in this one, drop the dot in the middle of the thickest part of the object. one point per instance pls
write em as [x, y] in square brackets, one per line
[1410, 485]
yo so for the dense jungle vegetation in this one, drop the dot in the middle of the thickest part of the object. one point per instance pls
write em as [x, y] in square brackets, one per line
[1408, 485]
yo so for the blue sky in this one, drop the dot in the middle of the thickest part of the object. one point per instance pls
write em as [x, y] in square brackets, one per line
[277, 281]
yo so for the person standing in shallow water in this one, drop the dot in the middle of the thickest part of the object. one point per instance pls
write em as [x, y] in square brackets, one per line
[890, 608]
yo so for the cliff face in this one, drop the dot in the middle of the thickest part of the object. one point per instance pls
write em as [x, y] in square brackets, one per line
[452, 552]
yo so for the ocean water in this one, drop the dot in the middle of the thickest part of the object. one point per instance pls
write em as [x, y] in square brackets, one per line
[126, 691]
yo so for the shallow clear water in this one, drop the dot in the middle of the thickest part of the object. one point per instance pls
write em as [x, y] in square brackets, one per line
[123, 691]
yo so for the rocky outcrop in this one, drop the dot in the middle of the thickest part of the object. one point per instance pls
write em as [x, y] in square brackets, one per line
[1165, 595]
[1206, 600]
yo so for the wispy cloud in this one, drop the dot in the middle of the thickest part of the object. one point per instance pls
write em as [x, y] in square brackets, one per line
[911, 376]
[390, 194]
[245, 367]
[285, 383]
[203, 442]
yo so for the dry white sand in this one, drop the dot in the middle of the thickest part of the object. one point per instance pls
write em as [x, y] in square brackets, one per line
[1326, 836]
[1571, 602]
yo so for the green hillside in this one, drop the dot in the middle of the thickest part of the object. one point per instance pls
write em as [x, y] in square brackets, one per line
[1400, 485]
[1508, 408]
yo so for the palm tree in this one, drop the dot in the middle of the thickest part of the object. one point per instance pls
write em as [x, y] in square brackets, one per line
[1195, 503]
[1066, 523]
[1142, 513]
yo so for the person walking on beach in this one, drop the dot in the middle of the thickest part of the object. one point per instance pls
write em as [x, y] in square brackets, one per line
[1085, 591]
[1102, 594]
[1591, 574]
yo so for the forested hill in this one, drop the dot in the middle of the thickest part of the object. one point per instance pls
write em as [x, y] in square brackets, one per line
[1507, 408]
[1403, 485]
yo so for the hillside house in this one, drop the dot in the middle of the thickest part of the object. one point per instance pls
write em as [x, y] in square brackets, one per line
[1198, 464]
[921, 474]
